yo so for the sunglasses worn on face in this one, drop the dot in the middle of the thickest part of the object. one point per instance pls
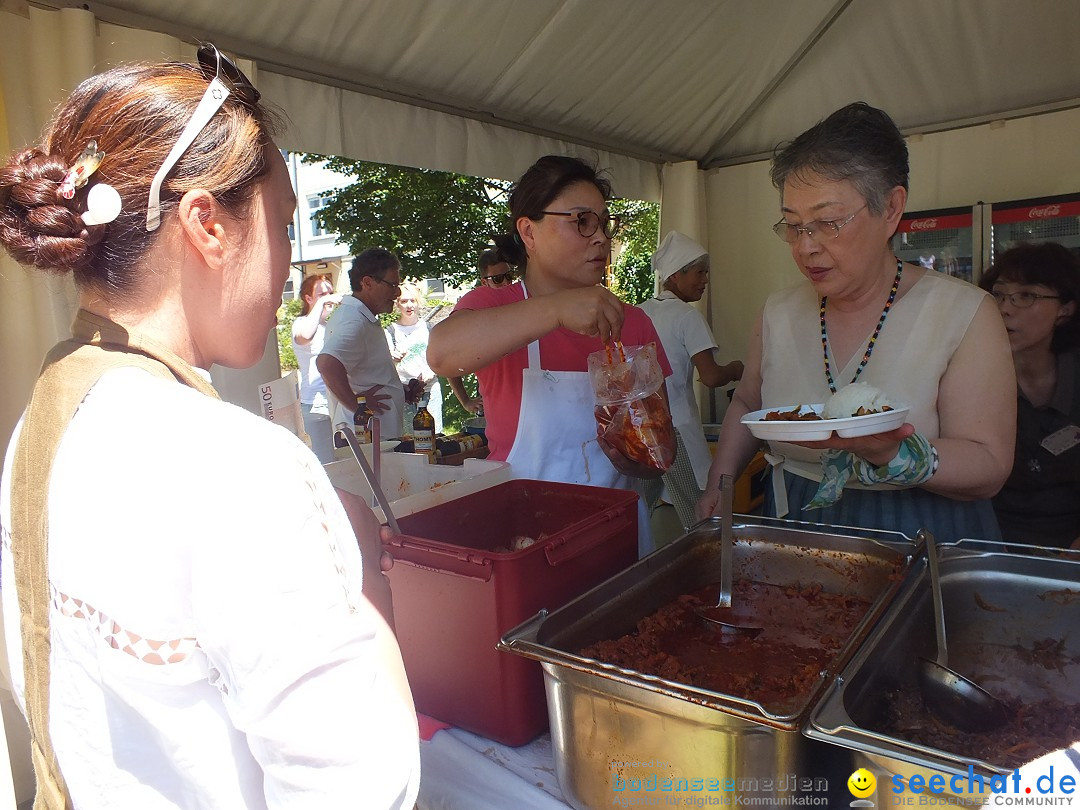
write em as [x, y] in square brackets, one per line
[387, 283]
[212, 62]
[502, 278]
[588, 222]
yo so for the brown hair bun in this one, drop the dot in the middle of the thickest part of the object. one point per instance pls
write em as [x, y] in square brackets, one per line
[38, 226]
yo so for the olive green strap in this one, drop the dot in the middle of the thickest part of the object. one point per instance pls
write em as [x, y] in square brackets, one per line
[69, 372]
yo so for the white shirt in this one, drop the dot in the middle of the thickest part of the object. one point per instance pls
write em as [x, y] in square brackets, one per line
[354, 337]
[683, 333]
[312, 387]
[211, 647]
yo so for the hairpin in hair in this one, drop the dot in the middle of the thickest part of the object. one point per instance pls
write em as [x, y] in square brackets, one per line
[81, 170]
[103, 204]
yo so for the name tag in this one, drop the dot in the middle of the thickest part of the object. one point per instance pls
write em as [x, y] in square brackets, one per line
[1061, 440]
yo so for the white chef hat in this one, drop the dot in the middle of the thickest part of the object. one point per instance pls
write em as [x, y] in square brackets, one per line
[676, 251]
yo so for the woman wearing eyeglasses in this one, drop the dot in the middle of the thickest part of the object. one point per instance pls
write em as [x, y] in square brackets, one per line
[186, 581]
[1037, 287]
[923, 338]
[535, 336]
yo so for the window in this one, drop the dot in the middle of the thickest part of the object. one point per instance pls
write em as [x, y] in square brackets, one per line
[316, 204]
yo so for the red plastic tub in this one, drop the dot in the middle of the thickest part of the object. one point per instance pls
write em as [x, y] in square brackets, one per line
[457, 589]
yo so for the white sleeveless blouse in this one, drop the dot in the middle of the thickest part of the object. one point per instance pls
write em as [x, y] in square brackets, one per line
[920, 336]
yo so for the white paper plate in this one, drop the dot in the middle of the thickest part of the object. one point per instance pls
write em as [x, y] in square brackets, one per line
[814, 431]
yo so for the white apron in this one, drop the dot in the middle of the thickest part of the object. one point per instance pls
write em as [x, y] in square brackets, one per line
[556, 436]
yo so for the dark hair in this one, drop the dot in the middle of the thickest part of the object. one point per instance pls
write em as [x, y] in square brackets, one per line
[858, 143]
[136, 114]
[306, 286]
[1051, 265]
[374, 262]
[543, 182]
[487, 259]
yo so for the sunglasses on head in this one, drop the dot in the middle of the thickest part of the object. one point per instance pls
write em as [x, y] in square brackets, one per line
[225, 79]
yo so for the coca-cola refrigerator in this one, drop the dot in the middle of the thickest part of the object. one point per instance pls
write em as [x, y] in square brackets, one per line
[947, 240]
[1046, 219]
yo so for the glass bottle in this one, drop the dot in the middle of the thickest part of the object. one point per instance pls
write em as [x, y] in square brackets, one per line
[362, 421]
[423, 430]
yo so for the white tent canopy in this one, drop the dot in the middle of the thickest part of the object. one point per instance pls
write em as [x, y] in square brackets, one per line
[681, 100]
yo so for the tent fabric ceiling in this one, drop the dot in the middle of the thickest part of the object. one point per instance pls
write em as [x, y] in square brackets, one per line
[715, 81]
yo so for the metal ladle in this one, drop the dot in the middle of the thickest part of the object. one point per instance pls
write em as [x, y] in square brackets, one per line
[369, 474]
[722, 617]
[948, 694]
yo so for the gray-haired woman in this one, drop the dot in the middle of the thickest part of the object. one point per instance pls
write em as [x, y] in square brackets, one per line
[924, 339]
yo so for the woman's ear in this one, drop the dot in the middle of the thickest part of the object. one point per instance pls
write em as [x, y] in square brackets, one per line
[203, 225]
[526, 231]
[894, 208]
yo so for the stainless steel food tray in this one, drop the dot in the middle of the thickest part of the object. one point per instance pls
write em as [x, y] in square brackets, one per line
[998, 602]
[612, 726]
[866, 563]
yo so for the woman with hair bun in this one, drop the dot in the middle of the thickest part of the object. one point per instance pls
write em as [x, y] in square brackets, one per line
[529, 342]
[180, 580]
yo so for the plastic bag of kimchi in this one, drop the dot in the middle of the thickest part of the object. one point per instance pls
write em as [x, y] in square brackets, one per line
[631, 413]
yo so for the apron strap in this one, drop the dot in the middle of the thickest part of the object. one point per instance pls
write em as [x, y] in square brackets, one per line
[70, 370]
[776, 463]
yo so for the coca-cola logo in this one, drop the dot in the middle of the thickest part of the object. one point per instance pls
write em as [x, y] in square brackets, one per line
[1045, 211]
[923, 224]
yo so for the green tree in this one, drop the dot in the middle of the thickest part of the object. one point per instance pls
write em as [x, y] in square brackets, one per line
[436, 222]
[632, 277]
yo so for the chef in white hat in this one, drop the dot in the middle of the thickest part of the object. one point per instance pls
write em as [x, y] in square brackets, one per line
[682, 272]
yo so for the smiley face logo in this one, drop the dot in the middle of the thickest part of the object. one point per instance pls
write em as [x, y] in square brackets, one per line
[861, 783]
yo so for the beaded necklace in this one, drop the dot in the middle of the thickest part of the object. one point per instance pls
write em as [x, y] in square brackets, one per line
[873, 337]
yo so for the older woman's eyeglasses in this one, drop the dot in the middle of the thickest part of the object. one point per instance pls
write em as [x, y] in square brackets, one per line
[212, 62]
[819, 230]
[1021, 299]
[588, 222]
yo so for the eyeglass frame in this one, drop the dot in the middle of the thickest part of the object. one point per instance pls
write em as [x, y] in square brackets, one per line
[500, 278]
[601, 222]
[816, 226]
[209, 58]
[384, 281]
[1000, 297]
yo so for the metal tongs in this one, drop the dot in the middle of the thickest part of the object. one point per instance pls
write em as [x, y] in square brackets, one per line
[371, 475]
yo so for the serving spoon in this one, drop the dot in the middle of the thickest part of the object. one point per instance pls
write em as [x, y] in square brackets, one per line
[372, 478]
[948, 694]
[722, 617]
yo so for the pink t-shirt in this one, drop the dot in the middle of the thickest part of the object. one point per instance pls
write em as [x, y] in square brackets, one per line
[560, 350]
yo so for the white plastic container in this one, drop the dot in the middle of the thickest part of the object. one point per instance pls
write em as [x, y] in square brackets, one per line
[411, 484]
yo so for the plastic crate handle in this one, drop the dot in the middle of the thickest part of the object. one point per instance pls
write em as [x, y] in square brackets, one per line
[468, 563]
[603, 528]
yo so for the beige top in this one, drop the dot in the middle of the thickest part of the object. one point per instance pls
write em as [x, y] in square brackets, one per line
[920, 336]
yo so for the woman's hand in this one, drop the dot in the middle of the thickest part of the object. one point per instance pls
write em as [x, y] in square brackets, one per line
[878, 449]
[591, 311]
[370, 536]
[709, 504]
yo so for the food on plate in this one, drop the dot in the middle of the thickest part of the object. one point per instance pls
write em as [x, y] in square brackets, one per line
[804, 629]
[796, 414]
[856, 399]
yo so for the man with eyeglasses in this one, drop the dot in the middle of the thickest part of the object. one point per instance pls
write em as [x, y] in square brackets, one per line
[494, 272]
[355, 360]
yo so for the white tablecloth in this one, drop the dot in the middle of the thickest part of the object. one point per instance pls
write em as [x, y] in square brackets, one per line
[462, 771]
